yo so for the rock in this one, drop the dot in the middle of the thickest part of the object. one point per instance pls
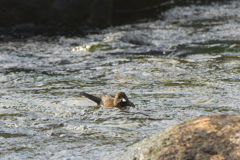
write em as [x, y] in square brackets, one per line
[207, 137]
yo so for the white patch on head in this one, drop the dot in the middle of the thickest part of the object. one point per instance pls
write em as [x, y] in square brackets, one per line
[123, 100]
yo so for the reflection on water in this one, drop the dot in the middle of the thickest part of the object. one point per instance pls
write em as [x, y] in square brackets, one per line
[172, 70]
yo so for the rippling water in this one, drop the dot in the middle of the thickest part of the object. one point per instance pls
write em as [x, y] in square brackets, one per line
[185, 65]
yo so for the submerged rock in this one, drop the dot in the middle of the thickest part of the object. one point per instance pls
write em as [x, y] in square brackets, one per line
[206, 137]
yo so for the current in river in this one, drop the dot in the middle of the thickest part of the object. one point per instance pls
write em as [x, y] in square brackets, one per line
[182, 66]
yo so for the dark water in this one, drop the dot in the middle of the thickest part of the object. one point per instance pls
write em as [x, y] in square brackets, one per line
[185, 65]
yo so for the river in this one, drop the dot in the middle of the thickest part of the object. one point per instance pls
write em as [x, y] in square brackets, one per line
[184, 65]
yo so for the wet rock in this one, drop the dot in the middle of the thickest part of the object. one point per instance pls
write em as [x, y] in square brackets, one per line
[134, 39]
[207, 137]
[64, 61]
[118, 41]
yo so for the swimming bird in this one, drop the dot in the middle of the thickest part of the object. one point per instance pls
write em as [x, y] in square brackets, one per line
[119, 101]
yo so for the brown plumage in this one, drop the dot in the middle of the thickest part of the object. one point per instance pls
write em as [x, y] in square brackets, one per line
[119, 101]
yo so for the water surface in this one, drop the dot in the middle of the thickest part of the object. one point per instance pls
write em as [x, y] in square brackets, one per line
[185, 65]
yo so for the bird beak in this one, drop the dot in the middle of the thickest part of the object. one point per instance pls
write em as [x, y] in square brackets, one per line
[131, 104]
[123, 100]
